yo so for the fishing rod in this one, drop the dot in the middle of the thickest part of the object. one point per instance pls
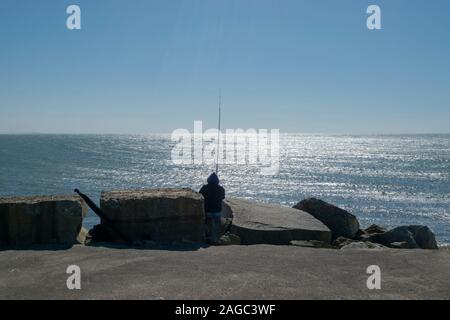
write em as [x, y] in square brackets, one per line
[106, 221]
[218, 133]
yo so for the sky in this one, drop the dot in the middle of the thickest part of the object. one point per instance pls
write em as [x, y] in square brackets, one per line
[152, 66]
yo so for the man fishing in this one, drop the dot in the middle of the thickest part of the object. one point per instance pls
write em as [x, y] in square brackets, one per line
[213, 194]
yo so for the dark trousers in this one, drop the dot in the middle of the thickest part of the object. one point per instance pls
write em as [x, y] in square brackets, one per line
[213, 227]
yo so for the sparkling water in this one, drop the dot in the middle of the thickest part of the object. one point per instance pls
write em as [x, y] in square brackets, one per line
[389, 180]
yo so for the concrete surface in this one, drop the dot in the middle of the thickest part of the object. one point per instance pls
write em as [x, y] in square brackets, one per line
[263, 223]
[232, 272]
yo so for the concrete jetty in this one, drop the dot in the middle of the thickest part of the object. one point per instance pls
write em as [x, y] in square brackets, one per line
[228, 272]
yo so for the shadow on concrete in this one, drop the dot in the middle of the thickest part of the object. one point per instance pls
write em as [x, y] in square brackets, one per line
[155, 246]
[38, 247]
[110, 245]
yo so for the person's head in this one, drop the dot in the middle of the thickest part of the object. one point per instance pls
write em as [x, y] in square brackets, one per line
[213, 179]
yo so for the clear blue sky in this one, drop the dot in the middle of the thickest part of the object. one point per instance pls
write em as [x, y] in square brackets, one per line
[156, 65]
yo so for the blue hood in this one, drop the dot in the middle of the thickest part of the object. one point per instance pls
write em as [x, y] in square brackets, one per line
[213, 179]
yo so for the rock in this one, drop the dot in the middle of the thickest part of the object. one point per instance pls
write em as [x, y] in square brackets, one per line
[399, 245]
[424, 237]
[261, 223]
[399, 234]
[414, 236]
[364, 235]
[41, 220]
[360, 233]
[161, 215]
[227, 213]
[311, 244]
[83, 236]
[342, 241]
[362, 245]
[372, 229]
[340, 222]
[229, 239]
[101, 233]
[226, 219]
[372, 245]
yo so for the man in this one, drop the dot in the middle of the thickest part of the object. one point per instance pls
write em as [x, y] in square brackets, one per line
[213, 194]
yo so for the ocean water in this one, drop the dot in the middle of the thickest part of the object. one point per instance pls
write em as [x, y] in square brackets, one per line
[389, 180]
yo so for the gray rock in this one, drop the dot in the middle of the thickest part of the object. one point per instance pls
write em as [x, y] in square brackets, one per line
[161, 215]
[229, 239]
[363, 237]
[414, 236]
[227, 213]
[424, 237]
[372, 245]
[399, 245]
[362, 245]
[360, 234]
[41, 220]
[261, 223]
[399, 234]
[372, 229]
[342, 241]
[83, 236]
[226, 219]
[340, 222]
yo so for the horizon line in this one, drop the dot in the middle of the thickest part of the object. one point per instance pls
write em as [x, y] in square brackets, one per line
[168, 133]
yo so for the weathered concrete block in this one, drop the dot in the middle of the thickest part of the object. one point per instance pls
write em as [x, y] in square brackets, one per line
[36, 220]
[262, 223]
[161, 215]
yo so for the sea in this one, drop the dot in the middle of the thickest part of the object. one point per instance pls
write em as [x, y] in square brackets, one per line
[389, 180]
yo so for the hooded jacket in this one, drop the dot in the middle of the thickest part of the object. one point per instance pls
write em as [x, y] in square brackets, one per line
[213, 194]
